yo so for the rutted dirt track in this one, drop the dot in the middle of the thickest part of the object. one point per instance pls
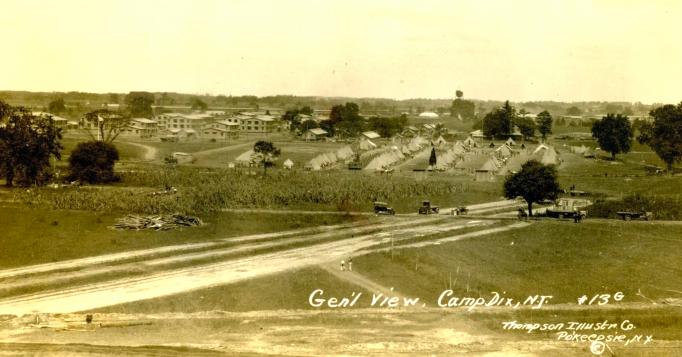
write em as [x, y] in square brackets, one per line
[91, 283]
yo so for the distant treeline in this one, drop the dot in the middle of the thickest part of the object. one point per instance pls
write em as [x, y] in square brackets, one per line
[83, 101]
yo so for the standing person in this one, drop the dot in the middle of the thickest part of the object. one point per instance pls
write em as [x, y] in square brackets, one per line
[343, 265]
[350, 264]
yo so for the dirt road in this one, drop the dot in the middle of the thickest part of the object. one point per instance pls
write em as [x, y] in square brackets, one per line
[171, 270]
[150, 152]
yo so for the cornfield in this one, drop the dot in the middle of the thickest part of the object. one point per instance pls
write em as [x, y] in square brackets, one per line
[212, 190]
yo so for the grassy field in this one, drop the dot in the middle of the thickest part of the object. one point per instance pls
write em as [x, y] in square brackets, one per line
[127, 152]
[622, 177]
[550, 258]
[41, 236]
[562, 259]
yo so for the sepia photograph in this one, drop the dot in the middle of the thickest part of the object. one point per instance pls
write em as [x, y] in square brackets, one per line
[340, 178]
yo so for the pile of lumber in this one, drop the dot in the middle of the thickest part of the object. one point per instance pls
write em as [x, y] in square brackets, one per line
[158, 223]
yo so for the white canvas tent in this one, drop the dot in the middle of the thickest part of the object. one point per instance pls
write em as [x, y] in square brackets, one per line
[245, 158]
[288, 164]
[470, 142]
[366, 144]
[504, 151]
[540, 148]
[510, 142]
[385, 160]
[345, 153]
[477, 134]
[550, 157]
[459, 147]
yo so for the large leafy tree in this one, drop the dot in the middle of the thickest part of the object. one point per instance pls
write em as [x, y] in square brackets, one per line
[573, 111]
[526, 126]
[140, 104]
[462, 109]
[614, 134]
[57, 106]
[197, 104]
[499, 122]
[93, 162]
[535, 182]
[267, 152]
[27, 143]
[544, 122]
[664, 135]
[109, 124]
[344, 120]
[293, 116]
[387, 127]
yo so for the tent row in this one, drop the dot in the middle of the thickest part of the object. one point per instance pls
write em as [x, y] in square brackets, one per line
[448, 158]
[415, 144]
[385, 160]
[328, 159]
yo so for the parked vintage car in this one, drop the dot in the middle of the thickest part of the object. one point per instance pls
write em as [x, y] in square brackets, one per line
[427, 208]
[383, 208]
[568, 208]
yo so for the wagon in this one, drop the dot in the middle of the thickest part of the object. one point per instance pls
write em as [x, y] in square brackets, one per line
[559, 213]
[630, 215]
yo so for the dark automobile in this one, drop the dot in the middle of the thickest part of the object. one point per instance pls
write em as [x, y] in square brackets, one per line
[382, 208]
[427, 208]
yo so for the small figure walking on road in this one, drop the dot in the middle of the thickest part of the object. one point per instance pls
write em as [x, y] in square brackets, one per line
[350, 264]
[343, 265]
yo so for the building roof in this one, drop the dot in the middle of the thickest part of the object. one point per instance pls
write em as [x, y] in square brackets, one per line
[371, 135]
[477, 133]
[144, 120]
[265, 117]
[45, 115]
[196, 116]
[428, 115]
[227, 123]
[318, 131]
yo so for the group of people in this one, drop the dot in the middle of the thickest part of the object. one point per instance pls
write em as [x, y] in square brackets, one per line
[349, 262]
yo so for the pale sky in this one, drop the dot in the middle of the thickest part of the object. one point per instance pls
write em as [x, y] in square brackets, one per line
[519, 50]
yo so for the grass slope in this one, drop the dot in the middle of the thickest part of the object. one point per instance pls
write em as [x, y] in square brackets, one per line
[562, 259]
[33, 236]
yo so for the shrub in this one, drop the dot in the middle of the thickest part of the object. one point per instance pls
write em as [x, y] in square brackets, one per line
[93, 162]
[664, 208]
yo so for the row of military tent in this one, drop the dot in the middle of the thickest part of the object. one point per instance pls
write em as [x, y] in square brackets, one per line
[382, 159]
[451, 156]
[492, 165]
[250, 158]
[328, 159]
[385, 160]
